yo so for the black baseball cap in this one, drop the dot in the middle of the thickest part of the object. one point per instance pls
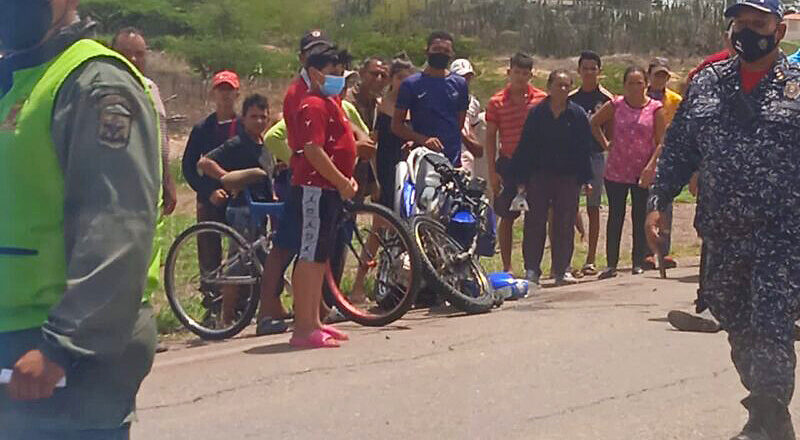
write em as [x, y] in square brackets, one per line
[768, 6]
[312, 38]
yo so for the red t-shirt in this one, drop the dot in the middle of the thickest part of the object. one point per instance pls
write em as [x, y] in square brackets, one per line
[324, 123]
[510, 117]
[750, 78]
[297, 90]
[719, 56]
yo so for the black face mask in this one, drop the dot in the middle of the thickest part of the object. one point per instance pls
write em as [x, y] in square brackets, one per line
[752, 46]
[438, 60]
[23, 25]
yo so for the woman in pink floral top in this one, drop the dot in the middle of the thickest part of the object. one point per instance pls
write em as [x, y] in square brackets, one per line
[638, 130]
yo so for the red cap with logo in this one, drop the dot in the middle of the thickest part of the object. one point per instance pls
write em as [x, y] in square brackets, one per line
[225, 77]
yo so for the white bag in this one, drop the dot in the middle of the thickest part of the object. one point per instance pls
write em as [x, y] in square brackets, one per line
[519, 203]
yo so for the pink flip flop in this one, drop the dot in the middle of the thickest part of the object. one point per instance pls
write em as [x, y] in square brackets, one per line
[335, 333]
[317, 339]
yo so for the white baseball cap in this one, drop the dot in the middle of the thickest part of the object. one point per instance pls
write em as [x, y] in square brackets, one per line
[462, 67]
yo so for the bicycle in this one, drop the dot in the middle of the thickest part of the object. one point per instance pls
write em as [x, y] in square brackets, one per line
[390, 275]
[452, 230]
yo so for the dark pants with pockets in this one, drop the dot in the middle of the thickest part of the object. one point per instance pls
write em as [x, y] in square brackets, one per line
[561, 193]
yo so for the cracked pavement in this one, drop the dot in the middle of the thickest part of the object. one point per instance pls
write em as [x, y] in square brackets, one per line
[592, 361]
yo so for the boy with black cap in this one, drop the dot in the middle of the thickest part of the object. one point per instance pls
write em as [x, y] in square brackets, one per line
[322, 176]
[272, 313]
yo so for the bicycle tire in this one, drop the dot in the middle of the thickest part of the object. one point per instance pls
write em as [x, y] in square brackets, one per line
[436, 267]
[253, 267]
[397, 306]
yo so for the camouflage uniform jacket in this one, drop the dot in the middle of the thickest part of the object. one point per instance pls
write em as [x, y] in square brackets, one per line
[746, 148]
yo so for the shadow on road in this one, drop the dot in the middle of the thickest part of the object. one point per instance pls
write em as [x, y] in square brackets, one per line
[691, 279]
[282, 347]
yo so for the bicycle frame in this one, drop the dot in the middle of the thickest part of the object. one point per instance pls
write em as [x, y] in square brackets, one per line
[459, 206]
[258, 212]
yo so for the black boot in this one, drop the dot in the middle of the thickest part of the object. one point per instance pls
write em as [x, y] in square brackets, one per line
[779, 421]
[752, 430]
[769, 420]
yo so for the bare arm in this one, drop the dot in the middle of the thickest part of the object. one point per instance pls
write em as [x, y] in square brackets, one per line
[490, 144]
[358, 132]
[599, 120]
[211, 168]
[364, 143]
[660, 127]
[472, 144]
[170, 194]
[402, 130]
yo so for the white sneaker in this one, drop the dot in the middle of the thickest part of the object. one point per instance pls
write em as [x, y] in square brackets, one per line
[566, 280]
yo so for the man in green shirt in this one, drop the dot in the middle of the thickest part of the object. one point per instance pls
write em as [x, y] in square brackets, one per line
[77, 228]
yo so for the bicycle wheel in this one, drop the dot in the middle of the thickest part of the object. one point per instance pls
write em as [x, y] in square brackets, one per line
[458, 277]
[196, 294]
[376, 278]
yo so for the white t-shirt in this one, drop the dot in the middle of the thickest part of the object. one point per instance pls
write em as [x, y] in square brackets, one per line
[162, 114]
[471, 123]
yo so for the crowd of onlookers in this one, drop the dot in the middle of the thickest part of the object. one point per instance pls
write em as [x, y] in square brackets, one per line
[344, 128]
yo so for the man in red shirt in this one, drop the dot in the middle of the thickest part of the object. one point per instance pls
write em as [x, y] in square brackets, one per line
[300, 86]
[272, 313]
[506, 115]
[322, 170]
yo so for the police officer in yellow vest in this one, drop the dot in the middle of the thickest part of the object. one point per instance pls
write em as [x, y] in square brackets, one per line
[79, 193]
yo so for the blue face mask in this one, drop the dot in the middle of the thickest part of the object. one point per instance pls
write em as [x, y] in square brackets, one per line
[333, 85]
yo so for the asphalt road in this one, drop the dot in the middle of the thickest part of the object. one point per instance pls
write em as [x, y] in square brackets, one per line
[592, 361]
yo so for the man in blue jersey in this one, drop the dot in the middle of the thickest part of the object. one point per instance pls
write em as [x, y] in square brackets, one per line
[438, 102]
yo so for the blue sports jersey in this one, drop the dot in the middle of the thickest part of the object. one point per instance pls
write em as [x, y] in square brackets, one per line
[435, 104]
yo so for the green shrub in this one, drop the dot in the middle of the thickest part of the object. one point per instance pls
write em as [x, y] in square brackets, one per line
[153, 17]
[209, 55]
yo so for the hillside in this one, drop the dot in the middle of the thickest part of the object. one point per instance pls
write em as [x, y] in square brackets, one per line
[258, 37]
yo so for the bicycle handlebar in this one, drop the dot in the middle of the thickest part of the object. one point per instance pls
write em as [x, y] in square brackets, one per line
[449, 174]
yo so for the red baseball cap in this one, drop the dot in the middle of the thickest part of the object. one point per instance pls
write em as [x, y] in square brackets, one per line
[225, 77]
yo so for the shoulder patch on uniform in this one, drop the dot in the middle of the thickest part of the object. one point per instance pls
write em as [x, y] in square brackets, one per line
[115, 120]
[791, 90]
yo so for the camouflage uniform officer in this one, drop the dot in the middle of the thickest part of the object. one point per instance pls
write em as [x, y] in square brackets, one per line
[79, 190]
[739, 126]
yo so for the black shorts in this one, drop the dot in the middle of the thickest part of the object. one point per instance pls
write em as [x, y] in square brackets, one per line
[502, 202]
[308, 223]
